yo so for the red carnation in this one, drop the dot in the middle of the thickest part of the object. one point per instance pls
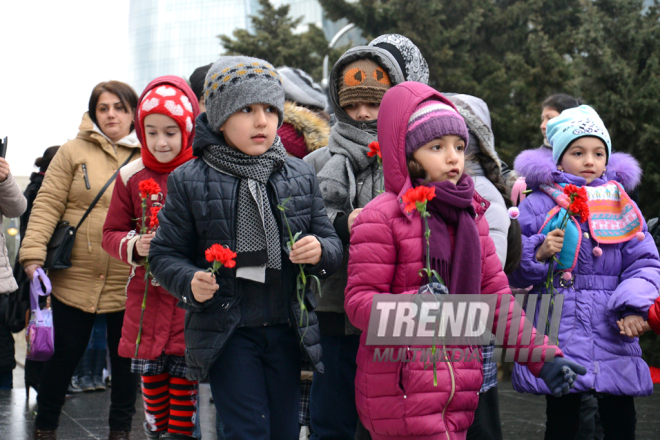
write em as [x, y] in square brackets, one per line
[220, 256]
[416, 198]
[148, 188]
[153, 220]
[578, 204]
[374, 148]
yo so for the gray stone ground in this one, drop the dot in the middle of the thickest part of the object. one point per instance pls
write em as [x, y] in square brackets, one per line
[85, 415]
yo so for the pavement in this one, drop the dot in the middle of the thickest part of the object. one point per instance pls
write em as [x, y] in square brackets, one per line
[85, 415]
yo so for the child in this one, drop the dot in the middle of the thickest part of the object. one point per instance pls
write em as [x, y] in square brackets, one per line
[164, 124]
[604, 282]
[349, 179]
[243, 326]
[483, 166]
[423, 139]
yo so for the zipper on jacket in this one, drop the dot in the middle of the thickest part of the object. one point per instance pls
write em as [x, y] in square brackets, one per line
[84, 169]
[451, 395]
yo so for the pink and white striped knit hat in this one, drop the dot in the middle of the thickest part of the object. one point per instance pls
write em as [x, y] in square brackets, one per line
[433, 119]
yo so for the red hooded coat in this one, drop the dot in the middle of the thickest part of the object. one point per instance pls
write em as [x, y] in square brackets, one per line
[162, 328]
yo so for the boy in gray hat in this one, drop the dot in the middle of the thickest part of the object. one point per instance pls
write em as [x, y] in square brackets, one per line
[245, 327]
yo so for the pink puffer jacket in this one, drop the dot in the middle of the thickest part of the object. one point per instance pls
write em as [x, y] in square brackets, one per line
[397, 400]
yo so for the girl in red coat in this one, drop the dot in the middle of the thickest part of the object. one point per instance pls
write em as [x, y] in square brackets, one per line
[164, 124]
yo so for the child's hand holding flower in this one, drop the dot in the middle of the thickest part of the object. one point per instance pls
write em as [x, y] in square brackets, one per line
[203, 284]
[307, 250]
[551, 246]
[143, 243]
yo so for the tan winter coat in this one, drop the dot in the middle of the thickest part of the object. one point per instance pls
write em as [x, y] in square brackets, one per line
[12, 205]
[96, 282]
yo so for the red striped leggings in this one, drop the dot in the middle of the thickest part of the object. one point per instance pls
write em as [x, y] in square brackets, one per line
[170, 403]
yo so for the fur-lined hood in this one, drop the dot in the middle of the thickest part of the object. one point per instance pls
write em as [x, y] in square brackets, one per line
[538, 167]
[314, 129]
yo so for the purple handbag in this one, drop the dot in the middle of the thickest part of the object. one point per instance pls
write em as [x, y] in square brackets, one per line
[39, 332]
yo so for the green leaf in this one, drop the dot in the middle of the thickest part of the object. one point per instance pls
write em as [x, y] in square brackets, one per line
[318, 284]
[296, 235]
[438, 277]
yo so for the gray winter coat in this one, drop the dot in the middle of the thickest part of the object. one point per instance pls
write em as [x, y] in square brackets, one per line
[367, 182]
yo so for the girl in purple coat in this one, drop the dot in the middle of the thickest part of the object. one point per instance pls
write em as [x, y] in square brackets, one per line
[610, 270]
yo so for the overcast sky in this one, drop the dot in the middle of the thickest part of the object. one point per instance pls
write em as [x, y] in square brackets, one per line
[53, 53]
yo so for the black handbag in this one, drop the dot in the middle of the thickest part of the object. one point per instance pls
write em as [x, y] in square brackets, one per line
[58, 250]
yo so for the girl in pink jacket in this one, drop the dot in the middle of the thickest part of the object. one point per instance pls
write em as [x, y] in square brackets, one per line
[422, 141]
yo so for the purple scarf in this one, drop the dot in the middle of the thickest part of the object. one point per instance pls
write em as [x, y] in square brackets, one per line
[453, 205]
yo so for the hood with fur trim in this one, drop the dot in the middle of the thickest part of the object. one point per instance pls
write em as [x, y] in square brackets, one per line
[538, 167]
[314, 129]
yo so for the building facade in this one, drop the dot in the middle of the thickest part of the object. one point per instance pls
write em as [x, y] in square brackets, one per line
[173, 37]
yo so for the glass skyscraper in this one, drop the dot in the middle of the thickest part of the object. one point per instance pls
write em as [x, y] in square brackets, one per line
[173, 37]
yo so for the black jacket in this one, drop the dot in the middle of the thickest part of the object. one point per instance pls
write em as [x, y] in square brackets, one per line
[200, 210]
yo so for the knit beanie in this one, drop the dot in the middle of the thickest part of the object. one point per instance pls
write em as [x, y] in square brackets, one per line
[362, 81]
[167, 99]
[293, 141]
[572, 124]
[233, 83]
[197, 80]
[300, 88]
[433, 119]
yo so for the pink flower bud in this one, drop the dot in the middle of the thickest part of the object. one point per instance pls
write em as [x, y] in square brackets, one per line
[640, 236]
[597, 251]
[514, 212]
[567, 276]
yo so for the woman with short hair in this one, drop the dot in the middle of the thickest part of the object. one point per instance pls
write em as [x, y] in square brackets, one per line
[95, 284]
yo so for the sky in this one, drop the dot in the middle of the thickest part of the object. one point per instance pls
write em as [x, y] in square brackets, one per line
[52, 54]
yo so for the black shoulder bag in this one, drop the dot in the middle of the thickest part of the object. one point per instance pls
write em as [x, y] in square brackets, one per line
[58, 251]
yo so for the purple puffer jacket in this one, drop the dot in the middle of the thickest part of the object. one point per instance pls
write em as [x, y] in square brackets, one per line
[398, 400]
[623, 281]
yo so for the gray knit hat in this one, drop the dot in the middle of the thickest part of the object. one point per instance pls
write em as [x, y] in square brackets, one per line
[300, 88]
[236, 82]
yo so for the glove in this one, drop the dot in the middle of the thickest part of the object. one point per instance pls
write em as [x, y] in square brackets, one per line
[560, 375]
[434, 288]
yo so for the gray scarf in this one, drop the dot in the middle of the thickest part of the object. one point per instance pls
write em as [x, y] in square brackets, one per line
[257, 234]
[349, 146]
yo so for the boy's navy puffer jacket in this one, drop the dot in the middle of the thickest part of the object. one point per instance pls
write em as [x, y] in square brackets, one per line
[201, 211]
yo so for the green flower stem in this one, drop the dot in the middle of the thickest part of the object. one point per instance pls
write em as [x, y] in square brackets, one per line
[382, 181]
[143, 230]
[421, 207]
[301, 282]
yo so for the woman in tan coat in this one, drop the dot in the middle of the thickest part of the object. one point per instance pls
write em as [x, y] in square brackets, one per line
[96, 282]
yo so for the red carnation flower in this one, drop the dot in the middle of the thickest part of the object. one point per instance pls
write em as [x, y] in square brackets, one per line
[220, 256]
[578, 204]
[148, 188]
[416, 198]
[153, 220]
[374, 148]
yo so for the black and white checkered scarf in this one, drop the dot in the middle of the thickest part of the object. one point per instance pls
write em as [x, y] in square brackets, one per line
[257, 236]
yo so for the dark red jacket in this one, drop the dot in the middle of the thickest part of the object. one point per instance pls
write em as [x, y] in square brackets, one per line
[162, 328]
